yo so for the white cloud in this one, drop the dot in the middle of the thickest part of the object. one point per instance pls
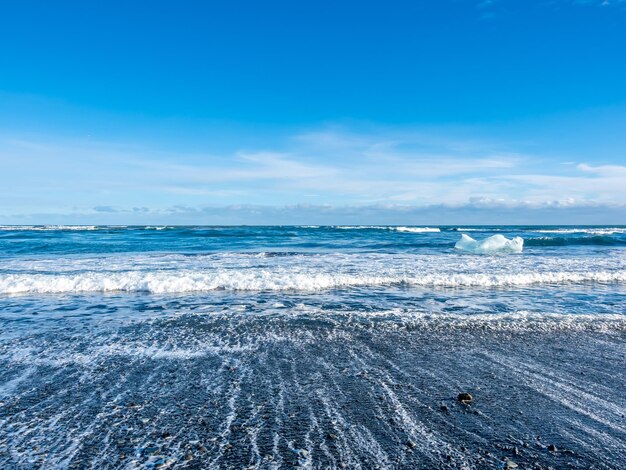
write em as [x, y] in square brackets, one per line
[338, 167]
[604, 170]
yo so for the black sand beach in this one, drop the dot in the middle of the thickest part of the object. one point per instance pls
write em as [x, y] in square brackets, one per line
[245, 391]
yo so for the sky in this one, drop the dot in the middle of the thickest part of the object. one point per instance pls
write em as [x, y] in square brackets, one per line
[313, 112]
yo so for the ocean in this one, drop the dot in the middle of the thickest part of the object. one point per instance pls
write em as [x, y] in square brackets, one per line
[312, 347]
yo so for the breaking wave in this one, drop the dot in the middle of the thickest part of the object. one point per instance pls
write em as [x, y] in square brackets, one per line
[161, 282]
[592, 231]
[390, 227]
[45, 228]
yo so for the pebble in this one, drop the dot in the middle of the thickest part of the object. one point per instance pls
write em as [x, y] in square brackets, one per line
[464, 398]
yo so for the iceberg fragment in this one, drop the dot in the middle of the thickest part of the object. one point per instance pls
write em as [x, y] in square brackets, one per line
[492, 245]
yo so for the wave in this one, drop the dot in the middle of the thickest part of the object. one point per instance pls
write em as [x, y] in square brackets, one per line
[162, 282]
[591, 231]
[39, 228]
[389, 227]
[416, 229]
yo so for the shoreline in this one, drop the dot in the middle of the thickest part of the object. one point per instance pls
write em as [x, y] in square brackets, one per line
[288, 392]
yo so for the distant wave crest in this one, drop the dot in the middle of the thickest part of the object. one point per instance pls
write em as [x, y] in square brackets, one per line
[389, 227]
[40, 228]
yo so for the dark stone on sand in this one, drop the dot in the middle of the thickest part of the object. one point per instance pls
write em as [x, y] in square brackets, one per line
[552, 448]
[331, 436]
[410, 444]
[464, 398]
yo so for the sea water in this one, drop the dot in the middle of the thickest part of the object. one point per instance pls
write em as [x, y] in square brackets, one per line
[318, 346]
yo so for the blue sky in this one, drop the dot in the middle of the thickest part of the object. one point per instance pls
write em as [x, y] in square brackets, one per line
[403, 112]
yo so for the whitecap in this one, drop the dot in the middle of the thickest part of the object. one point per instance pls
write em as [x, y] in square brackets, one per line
[389, 227]
[590, 231]
[417, 229]
[44, 228]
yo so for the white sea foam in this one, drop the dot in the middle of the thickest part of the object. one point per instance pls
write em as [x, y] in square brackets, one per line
[520, 320]
[161, 282]
[525, 320]
[495, 244]
[564, 231]
[389, 227]
[22, 228]
[417, 229]
[591, 231]
[164, 273]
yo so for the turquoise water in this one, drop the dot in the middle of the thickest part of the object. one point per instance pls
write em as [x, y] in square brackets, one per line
[16, 241]
[413, 270]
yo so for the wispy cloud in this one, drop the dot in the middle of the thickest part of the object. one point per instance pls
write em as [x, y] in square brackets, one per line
[336, 166]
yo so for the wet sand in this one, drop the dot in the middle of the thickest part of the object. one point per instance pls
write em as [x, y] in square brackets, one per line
[245, 392]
